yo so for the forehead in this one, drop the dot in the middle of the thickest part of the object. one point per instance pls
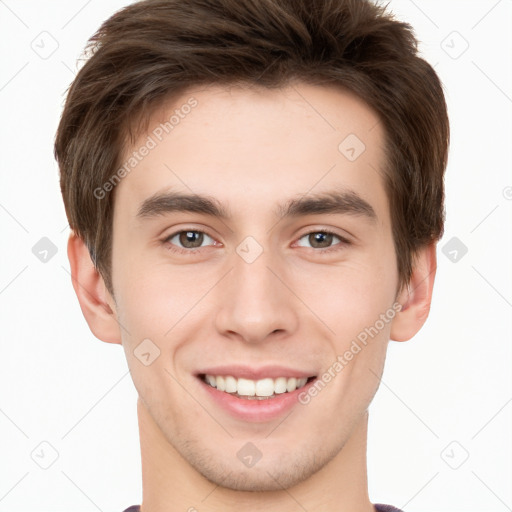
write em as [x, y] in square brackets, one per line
[254, 148]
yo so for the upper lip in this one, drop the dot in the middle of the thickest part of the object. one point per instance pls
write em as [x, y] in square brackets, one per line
[247, 372]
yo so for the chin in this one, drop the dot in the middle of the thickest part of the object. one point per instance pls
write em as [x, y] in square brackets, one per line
[262, 480]
[283, 471]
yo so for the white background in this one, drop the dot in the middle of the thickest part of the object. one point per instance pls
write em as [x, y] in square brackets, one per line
[444, 395]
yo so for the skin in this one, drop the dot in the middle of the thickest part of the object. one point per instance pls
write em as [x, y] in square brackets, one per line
[251, 149]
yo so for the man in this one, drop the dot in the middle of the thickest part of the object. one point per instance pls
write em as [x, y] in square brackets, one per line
[255, 191]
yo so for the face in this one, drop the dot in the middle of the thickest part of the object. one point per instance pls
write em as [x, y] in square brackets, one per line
[241, 330]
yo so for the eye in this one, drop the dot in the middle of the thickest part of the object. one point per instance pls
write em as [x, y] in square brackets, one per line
[189, 239]
[323, 239]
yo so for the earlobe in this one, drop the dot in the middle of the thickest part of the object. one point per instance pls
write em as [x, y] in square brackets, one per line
[95, 300]
[416, 298]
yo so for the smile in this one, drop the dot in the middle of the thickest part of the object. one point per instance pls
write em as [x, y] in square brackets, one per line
[261, 389]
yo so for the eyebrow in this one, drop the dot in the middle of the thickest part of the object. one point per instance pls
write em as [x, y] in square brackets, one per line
[330, 202]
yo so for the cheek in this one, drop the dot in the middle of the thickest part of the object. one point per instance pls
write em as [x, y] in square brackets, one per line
[153, 297]
[350, 297]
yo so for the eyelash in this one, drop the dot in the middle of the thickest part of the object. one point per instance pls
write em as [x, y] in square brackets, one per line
[337, 247]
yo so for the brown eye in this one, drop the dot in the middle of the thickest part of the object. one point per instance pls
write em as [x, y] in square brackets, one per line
[323, 240]
[320, 240]
[191, 239]
[187, 239]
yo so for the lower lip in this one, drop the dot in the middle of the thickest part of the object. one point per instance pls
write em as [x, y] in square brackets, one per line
[255, 410]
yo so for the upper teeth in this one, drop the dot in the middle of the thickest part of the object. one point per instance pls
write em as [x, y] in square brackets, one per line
[263, 387]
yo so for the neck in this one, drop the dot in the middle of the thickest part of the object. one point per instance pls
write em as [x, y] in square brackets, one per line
[170, 483]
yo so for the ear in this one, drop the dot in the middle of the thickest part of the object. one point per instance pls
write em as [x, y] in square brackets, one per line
[416, 298]
[98, 306]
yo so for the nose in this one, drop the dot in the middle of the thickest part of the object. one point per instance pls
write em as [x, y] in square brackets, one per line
[256, 301]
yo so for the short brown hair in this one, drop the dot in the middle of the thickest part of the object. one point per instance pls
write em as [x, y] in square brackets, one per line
[154, 49]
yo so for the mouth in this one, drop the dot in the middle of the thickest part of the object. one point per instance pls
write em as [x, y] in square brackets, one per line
[267, 388]
[254, 395]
